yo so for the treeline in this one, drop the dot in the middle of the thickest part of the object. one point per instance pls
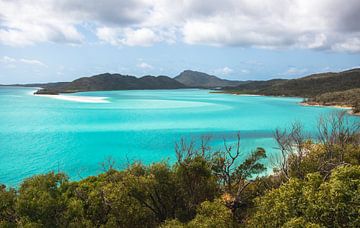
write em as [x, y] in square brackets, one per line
[315, 183]
[344, 98]
[308, 86]
[339, 88]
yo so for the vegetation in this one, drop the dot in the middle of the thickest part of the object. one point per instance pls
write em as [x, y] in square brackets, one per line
[308, 86]
[195, 79]
[344, 98]
[325, 89]
[316, 183]
[107, 81]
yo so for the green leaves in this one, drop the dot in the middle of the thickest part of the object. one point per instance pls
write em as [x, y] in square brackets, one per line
[41, 199]
[332, 203]
[7, 206]
[252, 166]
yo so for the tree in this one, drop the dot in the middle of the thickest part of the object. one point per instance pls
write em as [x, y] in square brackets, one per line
[212, 214]
[300, 222]
[156, 190]
[335, 131]
[338, 142]
[331, 203]
[41, 200]
[209, 214]
[292, 146]
[196, 184]
[8, 215]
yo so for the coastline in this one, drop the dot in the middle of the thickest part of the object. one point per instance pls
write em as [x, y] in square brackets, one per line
[237, 94]
[346, 107]
[313, 104]
[319, 105]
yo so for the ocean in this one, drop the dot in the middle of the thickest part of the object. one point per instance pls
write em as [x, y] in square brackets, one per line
[75, 133]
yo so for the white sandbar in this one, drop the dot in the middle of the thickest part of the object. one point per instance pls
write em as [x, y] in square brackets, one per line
[84, 99]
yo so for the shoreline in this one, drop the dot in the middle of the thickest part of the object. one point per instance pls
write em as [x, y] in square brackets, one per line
[313, 104]
[236, 94]
[319, 105]
[346, 107]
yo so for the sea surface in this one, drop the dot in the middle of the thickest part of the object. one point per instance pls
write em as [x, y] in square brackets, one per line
[41, 134]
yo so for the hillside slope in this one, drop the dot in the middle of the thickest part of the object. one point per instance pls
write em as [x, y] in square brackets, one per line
[342, 88]
[349, 97]
[202, 80]
[308, 86]
[107, 81]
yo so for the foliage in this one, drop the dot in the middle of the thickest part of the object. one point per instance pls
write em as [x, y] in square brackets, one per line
[309, 86]
[7, 206]
[209, 214]
[341, 88]
[300, 222]
[343, 98]
[331, 203]
[212, 214]
[41, 200]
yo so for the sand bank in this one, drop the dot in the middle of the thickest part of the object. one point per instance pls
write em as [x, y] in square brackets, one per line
[348, 108]
[319, 105]
[84, 99]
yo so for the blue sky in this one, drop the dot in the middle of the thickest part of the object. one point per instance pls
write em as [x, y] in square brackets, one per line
[241, 40]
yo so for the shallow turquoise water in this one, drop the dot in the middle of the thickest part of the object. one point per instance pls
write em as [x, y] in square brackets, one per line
[39, 134]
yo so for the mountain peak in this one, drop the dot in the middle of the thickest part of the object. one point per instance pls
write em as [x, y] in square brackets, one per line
[203, 80]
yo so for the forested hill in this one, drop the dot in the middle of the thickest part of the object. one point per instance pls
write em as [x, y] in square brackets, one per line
[186, 79]
[202, 80]
[308, 86]
[107, 81]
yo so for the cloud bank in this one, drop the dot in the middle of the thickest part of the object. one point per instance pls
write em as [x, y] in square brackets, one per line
[11, 62]
[307, 24]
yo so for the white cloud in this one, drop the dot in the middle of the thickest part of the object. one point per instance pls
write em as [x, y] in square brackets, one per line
[7, 59]
[12, 62]
[8, 62]
[294, 71]
[145, 65]
[139, 37]
[33, 62]
[224, 71]
[322, 24]
[130, 37]
[274, 24]
[28, 22]
[348, 45]
[244, 71]
[109, 35]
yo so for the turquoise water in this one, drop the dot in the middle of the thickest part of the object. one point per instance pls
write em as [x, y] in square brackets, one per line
[39, 134]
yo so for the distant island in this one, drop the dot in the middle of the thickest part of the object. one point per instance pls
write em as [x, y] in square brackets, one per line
[202, 80]
[325, 89]
[107, 81]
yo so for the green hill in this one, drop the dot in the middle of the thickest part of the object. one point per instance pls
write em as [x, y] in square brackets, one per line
[202, 80]
[349, 97]
[308, 86]
[340, 88]
[107, 81]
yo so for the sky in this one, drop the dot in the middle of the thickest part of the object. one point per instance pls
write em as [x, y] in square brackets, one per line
[61, 40]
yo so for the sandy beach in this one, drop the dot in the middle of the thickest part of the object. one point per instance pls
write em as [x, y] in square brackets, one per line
[319, 105]
[84, 99]
[348, 108]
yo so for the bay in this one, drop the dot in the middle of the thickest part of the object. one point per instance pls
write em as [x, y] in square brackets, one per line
[39, 134]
